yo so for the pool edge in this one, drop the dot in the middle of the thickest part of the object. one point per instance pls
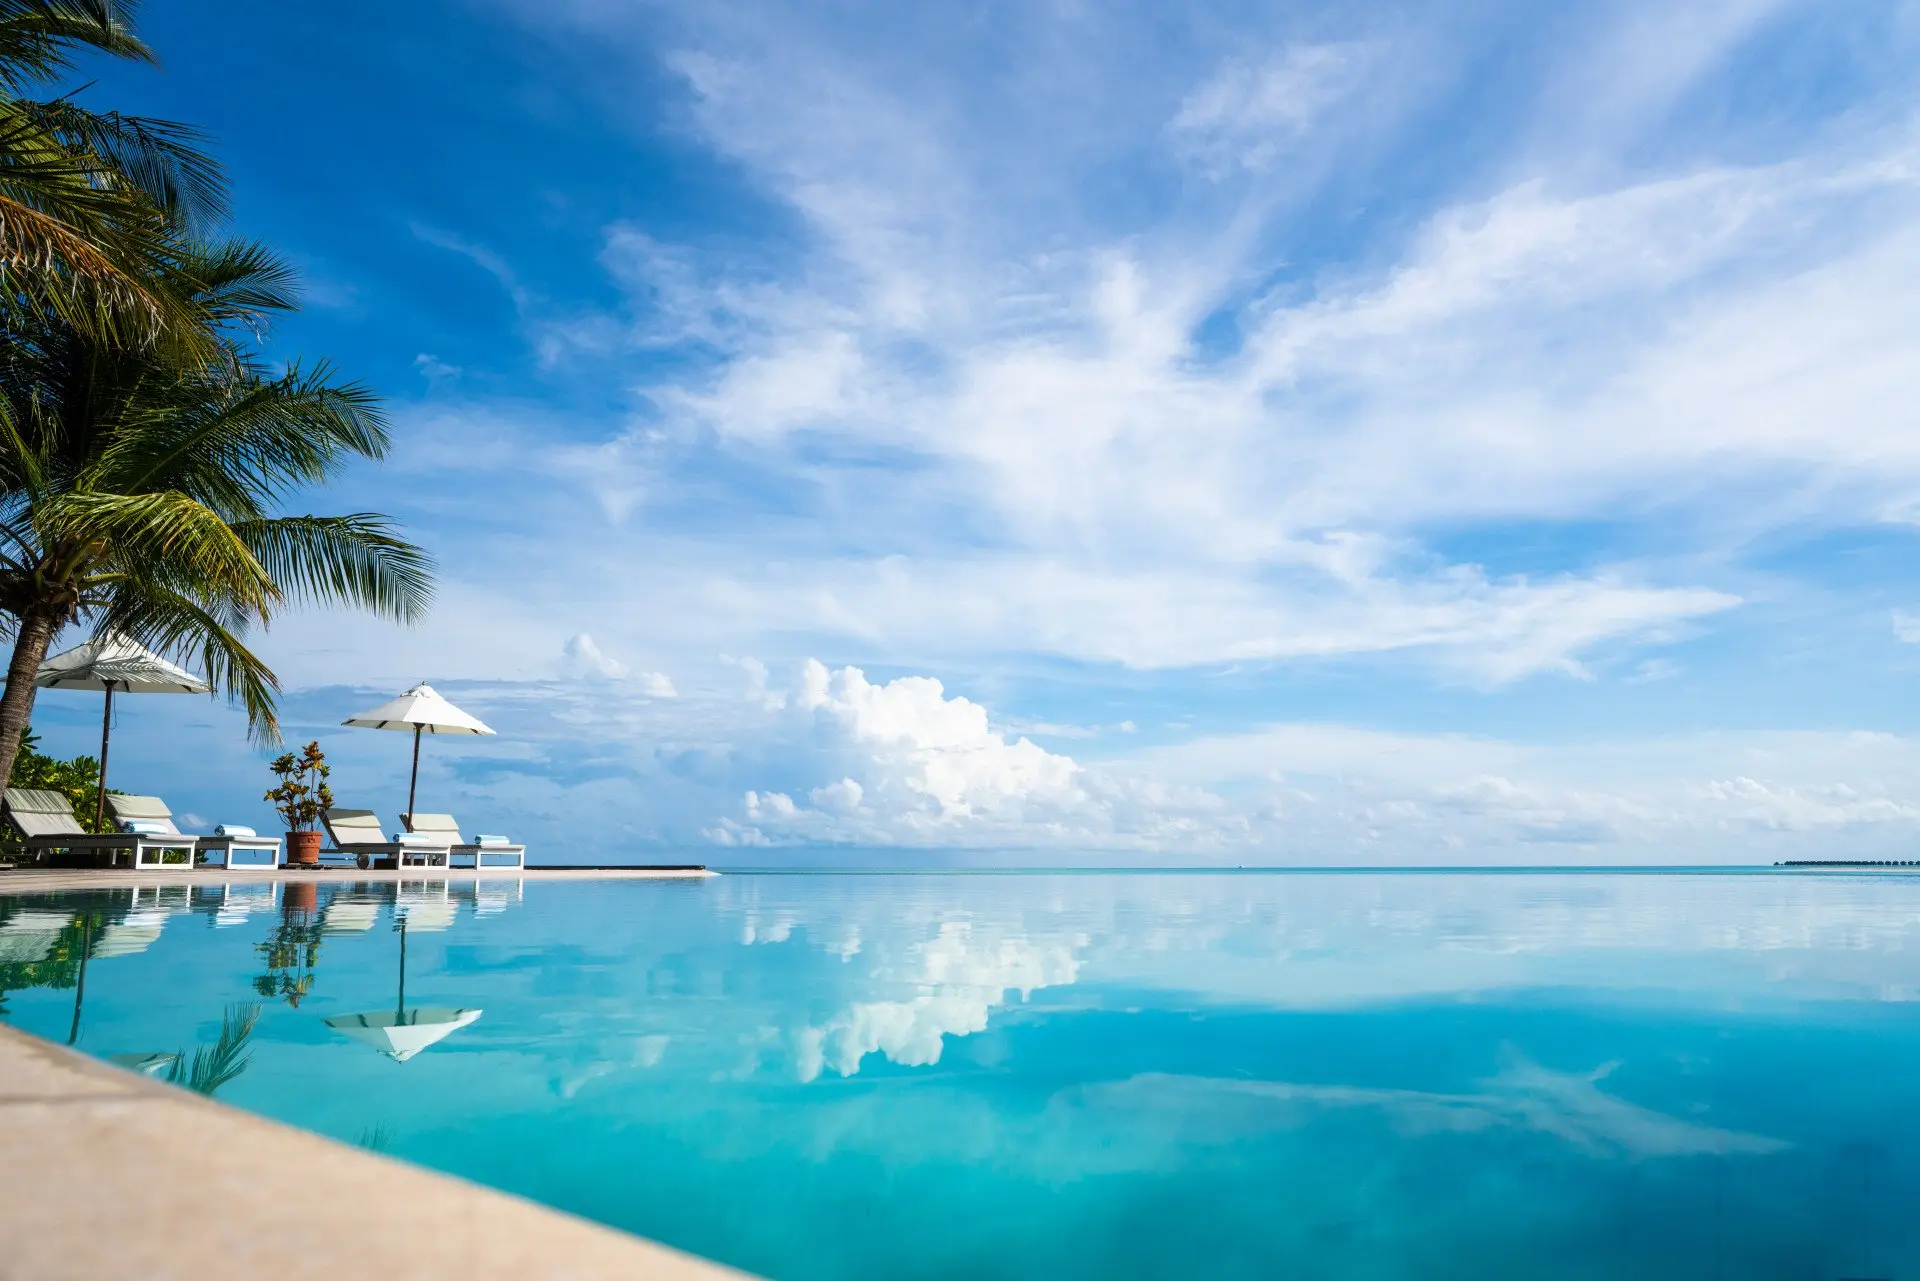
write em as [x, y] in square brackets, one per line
[114, 1174]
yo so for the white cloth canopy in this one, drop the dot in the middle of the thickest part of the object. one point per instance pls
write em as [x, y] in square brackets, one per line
[129, 667]
[419, 710]
[117, 666]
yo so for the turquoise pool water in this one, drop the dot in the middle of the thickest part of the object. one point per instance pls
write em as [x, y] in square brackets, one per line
[1099, 1076]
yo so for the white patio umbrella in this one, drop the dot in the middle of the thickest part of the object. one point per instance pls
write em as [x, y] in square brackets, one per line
[423, 712]
[113, 663]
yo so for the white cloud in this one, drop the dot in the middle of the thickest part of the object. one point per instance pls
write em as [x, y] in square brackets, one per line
[937, 747]
[1906, 626]
[657, 685]
[1248, 114]
[843, 796]
[434, 369]
[582, 658]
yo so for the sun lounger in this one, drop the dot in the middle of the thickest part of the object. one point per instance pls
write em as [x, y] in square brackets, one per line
[46, 823]
[485, 851]
[223, 849]
[357, 833]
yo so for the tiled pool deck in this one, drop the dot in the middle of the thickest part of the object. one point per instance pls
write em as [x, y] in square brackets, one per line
[110, 1174]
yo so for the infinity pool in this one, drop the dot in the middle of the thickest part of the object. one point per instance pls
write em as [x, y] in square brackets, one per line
[1091, 1075]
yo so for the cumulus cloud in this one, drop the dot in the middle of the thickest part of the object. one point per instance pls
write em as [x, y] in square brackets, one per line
[939, 748]
[583, 658]
[905, 763]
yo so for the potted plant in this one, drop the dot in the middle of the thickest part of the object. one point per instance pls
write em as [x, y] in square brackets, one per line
[302, 797]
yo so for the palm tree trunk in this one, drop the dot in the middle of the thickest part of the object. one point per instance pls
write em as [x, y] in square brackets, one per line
[37, 627]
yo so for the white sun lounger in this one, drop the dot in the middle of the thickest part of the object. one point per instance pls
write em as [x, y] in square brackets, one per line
[357, 833]
[219, 850]
[484, 853]
[45, 822]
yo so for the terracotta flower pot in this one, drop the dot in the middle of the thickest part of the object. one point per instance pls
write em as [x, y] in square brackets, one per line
[303, 848]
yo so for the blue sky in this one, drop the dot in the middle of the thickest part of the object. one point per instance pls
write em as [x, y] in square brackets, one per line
[1436, 433]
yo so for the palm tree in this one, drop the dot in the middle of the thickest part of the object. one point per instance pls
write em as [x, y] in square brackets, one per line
[145, 494]
[91, 203]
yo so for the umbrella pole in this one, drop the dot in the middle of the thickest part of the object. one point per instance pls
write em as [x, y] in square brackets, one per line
[106, 731]
[413, 780]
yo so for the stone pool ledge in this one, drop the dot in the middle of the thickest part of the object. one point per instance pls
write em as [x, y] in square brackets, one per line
[110, 1174]
[37, 880]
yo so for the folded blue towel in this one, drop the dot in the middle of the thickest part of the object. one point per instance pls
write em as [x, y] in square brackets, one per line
[234, 829]
[491, 840]
[145, 827]
[417, 838]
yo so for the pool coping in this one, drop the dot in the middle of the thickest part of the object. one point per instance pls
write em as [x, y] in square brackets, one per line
[114, 1174]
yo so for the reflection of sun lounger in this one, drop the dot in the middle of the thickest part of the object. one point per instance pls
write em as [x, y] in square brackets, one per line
[358, 833]
[45, 821]
[485, 851]
[225, 848]
[349, 916]
[133, 934]
[29, 936]
[238, 900]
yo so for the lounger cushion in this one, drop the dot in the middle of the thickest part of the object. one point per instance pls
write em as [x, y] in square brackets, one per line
[129, 810]
[355, 827]
[40, 812]
[433, 825]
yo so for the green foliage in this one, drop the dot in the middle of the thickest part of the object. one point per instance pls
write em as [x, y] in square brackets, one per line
[213, 1066]
[92, 203]
[302, 795]
[292, 953]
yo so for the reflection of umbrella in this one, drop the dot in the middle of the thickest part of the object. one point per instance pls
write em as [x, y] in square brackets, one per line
[423, 712]
[401, 1033]
[114, 663]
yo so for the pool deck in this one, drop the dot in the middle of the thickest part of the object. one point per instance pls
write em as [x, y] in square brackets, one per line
[34, 880]
[110, 1174]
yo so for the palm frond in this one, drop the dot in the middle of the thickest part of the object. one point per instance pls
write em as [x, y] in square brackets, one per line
[240, 282]
[343, 560]
[171, 623]
[166, 162]
[165, 528]
[240, 447]
[38, 38]
[218, 1064]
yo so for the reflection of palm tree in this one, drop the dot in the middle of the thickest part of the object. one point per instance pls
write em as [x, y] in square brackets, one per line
[215, 1065]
